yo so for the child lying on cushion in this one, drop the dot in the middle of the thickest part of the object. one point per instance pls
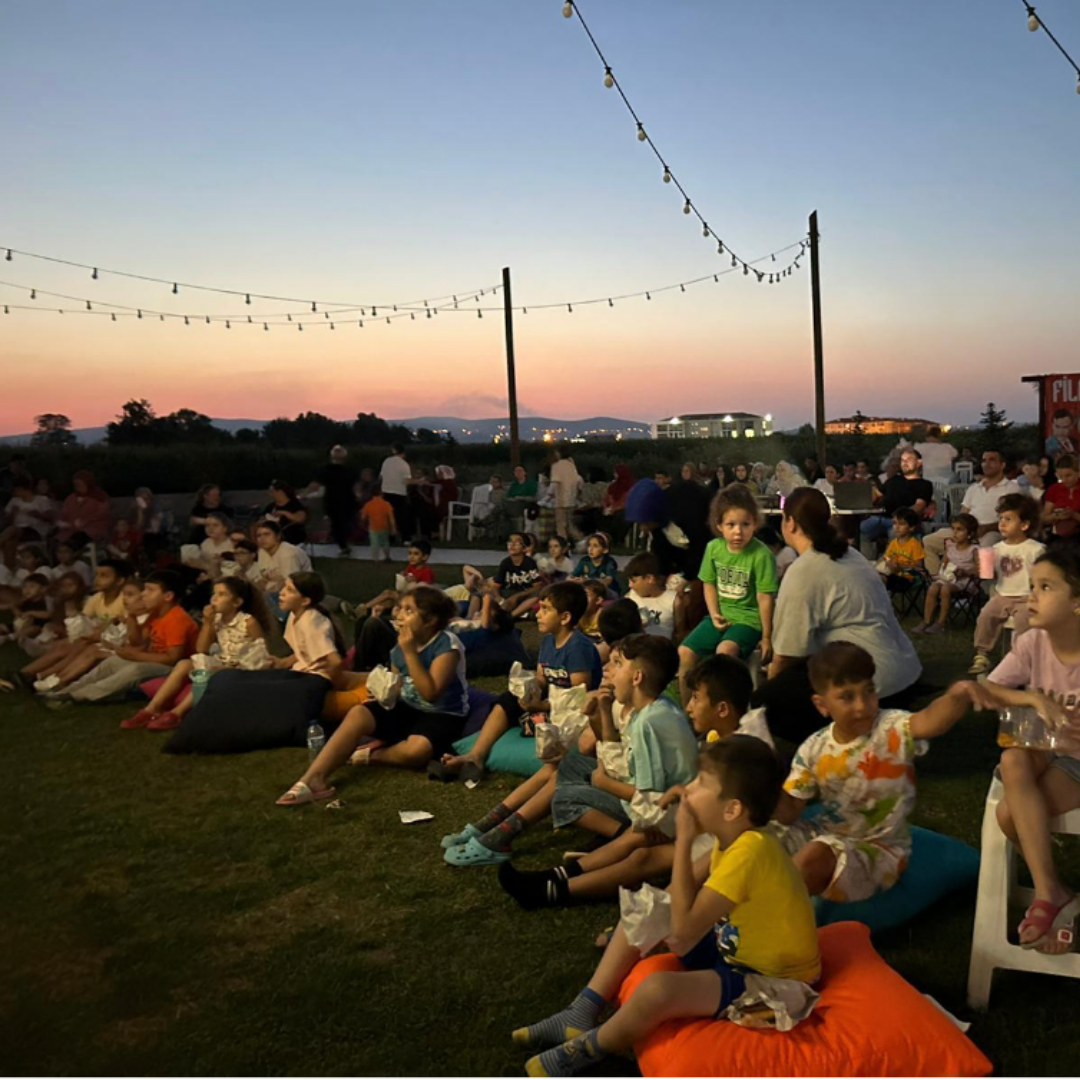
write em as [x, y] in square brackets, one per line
[580, 791]
[862, 769]
[740, 909]
[720, 695]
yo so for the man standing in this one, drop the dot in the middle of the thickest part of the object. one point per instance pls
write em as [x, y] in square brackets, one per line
[566, 481]
[906, 489]
[338, 481]
[395, 477]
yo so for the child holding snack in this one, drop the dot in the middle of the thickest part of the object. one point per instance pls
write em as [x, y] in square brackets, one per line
[959, 573]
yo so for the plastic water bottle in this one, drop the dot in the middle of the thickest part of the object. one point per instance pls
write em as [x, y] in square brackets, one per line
[316, 739]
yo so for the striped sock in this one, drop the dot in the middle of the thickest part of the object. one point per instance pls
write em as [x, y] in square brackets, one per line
[501, 836]
[576, 1019]
[492, 818]
[569, 1059]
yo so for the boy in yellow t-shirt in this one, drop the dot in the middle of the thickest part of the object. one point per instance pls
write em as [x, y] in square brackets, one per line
[740, 910]
[905, 554]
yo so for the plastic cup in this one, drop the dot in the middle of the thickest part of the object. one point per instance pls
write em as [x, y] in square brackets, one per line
[986, 564]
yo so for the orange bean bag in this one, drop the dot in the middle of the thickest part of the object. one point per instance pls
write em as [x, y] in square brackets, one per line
[869, 1022]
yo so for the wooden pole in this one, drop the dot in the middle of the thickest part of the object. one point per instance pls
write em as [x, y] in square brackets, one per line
[819, 360]
[511, 377]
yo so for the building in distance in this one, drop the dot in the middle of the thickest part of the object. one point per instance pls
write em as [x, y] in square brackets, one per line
[878, 425]
[732, 425]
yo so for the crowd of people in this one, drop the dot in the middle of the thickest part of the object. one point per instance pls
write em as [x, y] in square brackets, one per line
[686, 709]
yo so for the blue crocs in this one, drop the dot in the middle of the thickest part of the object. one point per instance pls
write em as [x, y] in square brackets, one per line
[459, 839]
[475, 854]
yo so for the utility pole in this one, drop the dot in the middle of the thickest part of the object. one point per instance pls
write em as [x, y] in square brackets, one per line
[819, 360]
[511, 377]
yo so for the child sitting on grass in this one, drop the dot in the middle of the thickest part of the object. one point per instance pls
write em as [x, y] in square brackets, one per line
[903, 559]
[596, 596]
[517, 581]
[33, 612]
[739, 573]
[861, 767]
[959, 573]
[1043, 671]
[428, 715]
[720, 689]
[580, 791]
[567, 659]
[235, 618]
[648, 589]
[558, 564]
[416, 572]
[598, 564]
[153, 648]
[740, 910]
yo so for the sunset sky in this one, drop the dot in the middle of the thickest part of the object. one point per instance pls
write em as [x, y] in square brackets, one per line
[369, 152]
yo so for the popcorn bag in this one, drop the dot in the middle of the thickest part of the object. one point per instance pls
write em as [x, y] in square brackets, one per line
[645, 813]
[114, 635]
[549, 743]
[190, 553]
[401, 582]
[522, 683]
[205, 662]
[78, 626]
[384, 686]
[612, 755]
[568, 711]
[645, 916]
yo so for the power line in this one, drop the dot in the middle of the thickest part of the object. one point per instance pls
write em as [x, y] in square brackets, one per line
[1035, 23]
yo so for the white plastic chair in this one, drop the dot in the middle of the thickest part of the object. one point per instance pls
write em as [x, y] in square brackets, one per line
[990, 946]
[480, 507]
[943, 501]
[956, 497]
[456, 511]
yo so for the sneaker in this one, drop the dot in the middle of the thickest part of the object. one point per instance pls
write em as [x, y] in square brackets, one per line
[167, 721]
[140, 720]
[980, 665]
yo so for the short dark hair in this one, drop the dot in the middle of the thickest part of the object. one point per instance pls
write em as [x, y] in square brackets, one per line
[968, 522]
[748, 770]
[271, 524]
[246, 545]
[434, 604]
[120, 567]
[38, 579]
[1023, 506]
[166, 581]
[619, 620]
[723, 678]
[840, 663]
[423, 546]
[907, 515]
[656, 656]
[1065, 558]
[567, 597]
[594, 585]
[645, 564]
[732, 497]
[1066, 461]
[520, 536]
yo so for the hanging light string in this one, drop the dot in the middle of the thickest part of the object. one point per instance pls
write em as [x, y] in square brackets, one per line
[86, 306]
[570, 10]
[1035, 23]
[175, 285]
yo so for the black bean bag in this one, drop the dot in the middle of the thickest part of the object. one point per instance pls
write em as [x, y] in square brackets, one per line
[251, 710]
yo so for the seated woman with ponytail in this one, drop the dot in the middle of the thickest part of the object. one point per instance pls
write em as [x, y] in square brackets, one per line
[427, 717]
[830, 593]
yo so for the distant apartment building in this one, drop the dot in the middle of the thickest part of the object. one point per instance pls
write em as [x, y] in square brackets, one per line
[734, 425]
[878, 425]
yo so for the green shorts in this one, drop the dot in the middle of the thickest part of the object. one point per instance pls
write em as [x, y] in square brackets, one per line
[705, 638]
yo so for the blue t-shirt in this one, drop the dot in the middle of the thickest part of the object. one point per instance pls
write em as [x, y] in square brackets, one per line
[608, 567]
[454, 700]
[662, 747]
[577, 654]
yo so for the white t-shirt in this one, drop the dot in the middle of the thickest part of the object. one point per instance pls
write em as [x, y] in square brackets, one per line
[1012, 566]
[937, 459]
[212, 549]
[754, 723]
[23, 512]
[565, 480]
[982, 503]
[394, 475]
[827, 489]
[311, 638]
[288, 559]
[823, 599]
[657, 612]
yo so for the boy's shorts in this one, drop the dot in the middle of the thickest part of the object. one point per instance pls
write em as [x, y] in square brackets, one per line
[575, 796]
[705, 638]
[379, 539]
[705, 956]
[863, 867]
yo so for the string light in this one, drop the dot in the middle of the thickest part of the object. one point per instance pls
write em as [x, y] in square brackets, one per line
[94, 276]
[175, 289]
[686, 207]
[568, 9]
[1035, 23]
[609, 79]
[667, 175]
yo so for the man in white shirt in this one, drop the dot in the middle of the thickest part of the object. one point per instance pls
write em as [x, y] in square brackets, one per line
[980, 500]
[395, 475]
[566, 481]
[937, 456]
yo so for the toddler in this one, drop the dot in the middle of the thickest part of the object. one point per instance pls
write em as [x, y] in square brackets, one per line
[378, 515]
[959, 573]
[902, 562]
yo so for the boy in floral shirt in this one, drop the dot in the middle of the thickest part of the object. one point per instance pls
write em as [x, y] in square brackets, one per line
[861, 768]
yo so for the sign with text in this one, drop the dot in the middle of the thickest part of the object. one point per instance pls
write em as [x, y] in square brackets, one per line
[1060, 409]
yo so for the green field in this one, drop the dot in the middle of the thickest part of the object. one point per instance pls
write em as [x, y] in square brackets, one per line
[162, 916]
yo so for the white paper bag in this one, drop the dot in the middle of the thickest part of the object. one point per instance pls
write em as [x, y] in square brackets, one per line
[114, 635]
[645, 813]
[613, 756]
[190, 553]
[79, 626]
[772, 1004]
[522, 683]
[645, 916]
[568, 711]
[401, 582]
[384, 686]
[205, 662]
[549, 743]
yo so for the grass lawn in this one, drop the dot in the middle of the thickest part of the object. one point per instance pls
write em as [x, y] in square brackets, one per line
[162, 916]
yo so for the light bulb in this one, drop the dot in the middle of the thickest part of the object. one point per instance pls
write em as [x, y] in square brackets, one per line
[361, 324]
[331, 326]
[9, 257]
[114, 316]
[88, 307]
[300, 326]
[140, 313]
[247, 298]
[228, 325]
[289, 317]
[374, 312]
[667, 175]
[1078, 86]
[716, 279]
[570, 308]
[745, 269]
[1033, 20]
[720, 247]
[734, 262]
[609, 79]
[479, 314]
[774, 258]
[7, 311]
[249, 318]
[313, 307]
[33, 294]
[640, 133]
[207, 320]
[429, 314]
[648, 296]
[265, 327]
[705, 231]
[682, 288]
[175, 288]
[187, 321]
[686, 207]
[161, 318]
[609, 303]
[94, 276]
[568, 9]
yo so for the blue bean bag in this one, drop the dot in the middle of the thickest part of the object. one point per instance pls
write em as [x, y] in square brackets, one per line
[512, 753]
[939, 865]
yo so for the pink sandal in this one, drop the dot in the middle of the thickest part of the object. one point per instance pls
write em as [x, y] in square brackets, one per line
[300, 795]
[1056, 924]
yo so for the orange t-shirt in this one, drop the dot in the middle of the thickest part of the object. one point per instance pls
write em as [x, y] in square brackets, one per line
[175, 627]
[377, 511]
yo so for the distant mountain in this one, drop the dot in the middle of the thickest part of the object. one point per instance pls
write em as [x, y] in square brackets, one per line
[532, 428]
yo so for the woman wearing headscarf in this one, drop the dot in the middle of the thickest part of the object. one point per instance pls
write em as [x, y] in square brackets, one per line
[786, 480]
[759, 478]
[84, 517]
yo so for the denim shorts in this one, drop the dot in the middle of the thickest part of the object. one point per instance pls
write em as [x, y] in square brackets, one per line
[575, 795]
[705, 956]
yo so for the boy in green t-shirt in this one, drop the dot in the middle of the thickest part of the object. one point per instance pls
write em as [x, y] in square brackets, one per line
[740, 910]
[739, 573]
